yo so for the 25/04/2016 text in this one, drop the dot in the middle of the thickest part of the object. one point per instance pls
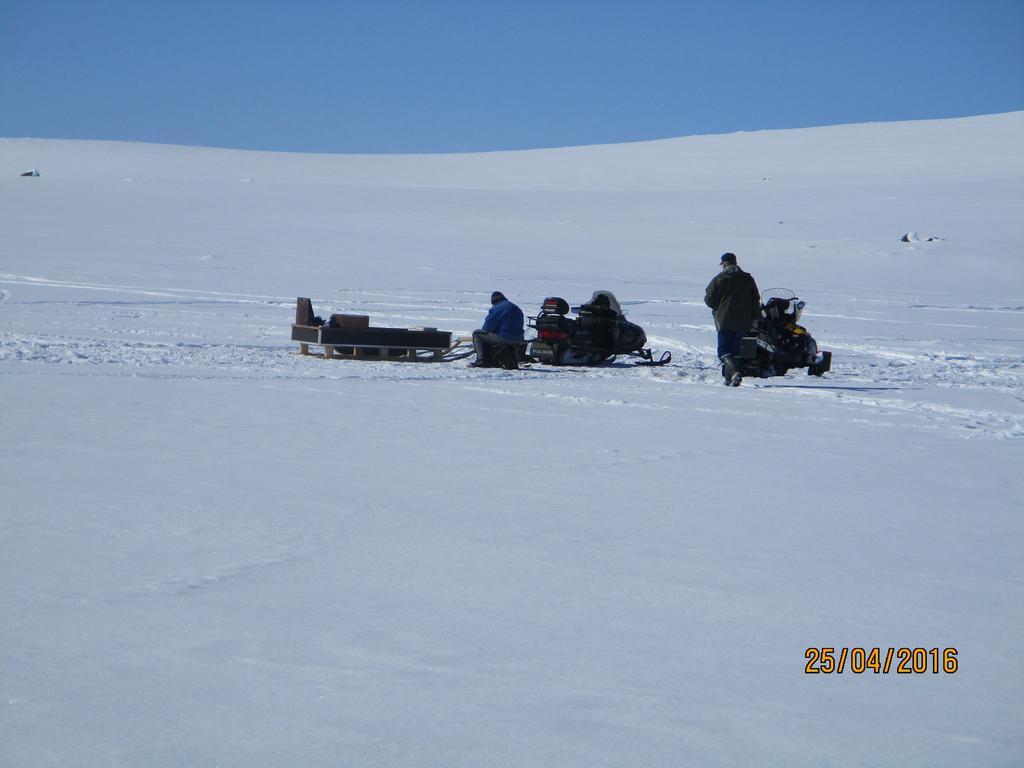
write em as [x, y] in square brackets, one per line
[903, 661]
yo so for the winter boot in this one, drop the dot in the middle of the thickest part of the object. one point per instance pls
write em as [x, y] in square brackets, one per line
[731, 371]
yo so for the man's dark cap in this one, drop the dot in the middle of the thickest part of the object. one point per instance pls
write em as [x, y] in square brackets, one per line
[496, 297]
[728, 258]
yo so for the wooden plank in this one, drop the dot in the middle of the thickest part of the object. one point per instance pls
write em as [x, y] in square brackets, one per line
[386, 337]
[392, 354]
[309, 334]
[303, 311]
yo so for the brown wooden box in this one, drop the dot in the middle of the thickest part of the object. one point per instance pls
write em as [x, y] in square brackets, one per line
[350, 321]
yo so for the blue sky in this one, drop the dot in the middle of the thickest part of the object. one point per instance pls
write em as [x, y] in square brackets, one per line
[392, 76]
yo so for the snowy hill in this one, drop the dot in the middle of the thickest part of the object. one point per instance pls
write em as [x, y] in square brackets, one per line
[217, 552]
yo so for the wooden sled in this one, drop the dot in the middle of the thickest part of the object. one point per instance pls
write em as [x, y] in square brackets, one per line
[350, 337]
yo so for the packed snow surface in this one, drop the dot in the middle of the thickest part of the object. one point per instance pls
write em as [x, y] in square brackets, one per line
[217, 552]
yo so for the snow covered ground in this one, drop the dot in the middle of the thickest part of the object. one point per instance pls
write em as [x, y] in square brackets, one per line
[216, 552]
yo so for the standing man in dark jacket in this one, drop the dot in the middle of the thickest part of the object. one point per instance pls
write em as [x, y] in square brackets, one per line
[733, 297]
[503, 324]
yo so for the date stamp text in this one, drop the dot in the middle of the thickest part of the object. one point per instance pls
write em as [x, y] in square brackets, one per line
[880, 661]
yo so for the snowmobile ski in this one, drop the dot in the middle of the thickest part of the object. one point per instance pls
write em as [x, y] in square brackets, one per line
[647, 358]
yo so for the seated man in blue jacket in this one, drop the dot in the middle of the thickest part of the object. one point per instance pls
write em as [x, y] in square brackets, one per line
[504, 324]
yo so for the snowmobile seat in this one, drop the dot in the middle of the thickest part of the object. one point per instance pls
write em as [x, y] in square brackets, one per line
[777, 310]
[596, 323]
[553, 327]
[606, 300]
[599, 307]
[596, 329]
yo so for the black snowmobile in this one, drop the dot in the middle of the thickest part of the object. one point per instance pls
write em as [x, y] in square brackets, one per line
[598, 333]
[776, 343]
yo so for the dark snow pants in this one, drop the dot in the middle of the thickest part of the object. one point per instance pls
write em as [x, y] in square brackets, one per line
[729, 343]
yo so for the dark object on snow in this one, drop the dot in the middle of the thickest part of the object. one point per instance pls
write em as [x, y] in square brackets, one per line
[599, 333]
[911, 237]
[776, 343]
[349, 321]
[33, 172]
[495, 351]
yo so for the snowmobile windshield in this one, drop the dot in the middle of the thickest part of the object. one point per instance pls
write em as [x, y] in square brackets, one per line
[600, 297]
[795, 307]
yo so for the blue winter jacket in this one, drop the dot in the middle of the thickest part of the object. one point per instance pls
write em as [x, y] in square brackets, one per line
[506, 320]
